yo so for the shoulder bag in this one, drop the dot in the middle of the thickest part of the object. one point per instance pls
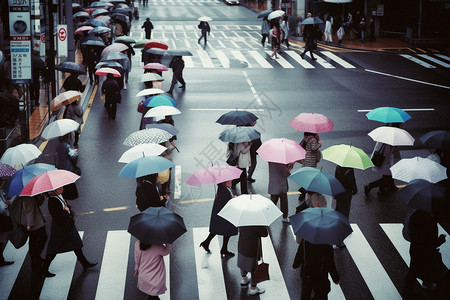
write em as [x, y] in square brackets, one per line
[378, 156]
[261, 271]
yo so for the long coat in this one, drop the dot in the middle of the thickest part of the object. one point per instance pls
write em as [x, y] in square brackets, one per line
[219, 225]
[311, 145]
[64, 235]
[66, 157]
[150, 268]
[278, 174]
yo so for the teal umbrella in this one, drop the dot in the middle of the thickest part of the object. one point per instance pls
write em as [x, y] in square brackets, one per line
[239, 134]
[314, 180]
[145, 165]
[388, 115]
[159, 100]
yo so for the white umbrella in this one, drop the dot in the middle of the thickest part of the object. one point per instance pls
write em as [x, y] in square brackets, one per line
[392, 136]
[408, 169]
[162, 110]
[148, 92]
[275, 14]
[20, 154]
[250, 210]
[205, 19]
[151, 77]
[141, 150]
[59, 128]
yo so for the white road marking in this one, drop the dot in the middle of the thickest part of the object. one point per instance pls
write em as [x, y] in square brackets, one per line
[436, 61]
[8, 274]
[281, 60]
[321, 61]
[225, 109]
[223, 59]
[409, 79]
[204, 57]
[418, 61]
[252, 88]
[177, 182]
[443, 56]
[261, 60]
[238, 55]
[338, 60]
[300, 60]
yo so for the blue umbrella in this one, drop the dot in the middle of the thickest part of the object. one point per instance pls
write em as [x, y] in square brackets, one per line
[320, 225]
[237, 117]
[164, 126]
[14, 185]
[159, 100]
[99, 12]
[421, 193]
[239, 134]
[145, 165]
[99, 30]
[94, 43]
[439, 139]
[99, 4]
[314, 180]
[388, 115]
[81, 14]
[96, 22]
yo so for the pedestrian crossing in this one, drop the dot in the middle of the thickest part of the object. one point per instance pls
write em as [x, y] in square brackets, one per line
[211, 283]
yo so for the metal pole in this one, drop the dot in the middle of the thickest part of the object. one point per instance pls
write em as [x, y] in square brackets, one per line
[70, 30]
[50, 51]
[419, 28]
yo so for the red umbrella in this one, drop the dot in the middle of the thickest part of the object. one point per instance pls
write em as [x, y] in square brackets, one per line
[105, 71]
[48, 181]
[155, 66]
[311, 122]
[157, 44]
[116, 47]
[82, 29]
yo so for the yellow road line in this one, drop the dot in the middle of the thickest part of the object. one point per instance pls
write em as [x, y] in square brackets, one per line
[88, 108]
[424, 51]
[115, 208]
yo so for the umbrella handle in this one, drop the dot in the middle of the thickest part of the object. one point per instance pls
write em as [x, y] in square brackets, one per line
[173, 144]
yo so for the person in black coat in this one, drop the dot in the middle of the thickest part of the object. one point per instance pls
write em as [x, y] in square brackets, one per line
[112, 93]
[219, 225]
[64, 235]
[204, 27]
[177, 65]
[73, 83]
[346, 177]
[309, 37]
[148, 26]
[316, 261]
[148, 193]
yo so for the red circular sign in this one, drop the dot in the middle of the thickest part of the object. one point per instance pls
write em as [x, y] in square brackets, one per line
[62, 34]
[43, 38]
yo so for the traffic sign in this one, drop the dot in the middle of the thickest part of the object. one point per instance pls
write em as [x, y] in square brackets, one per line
[62, 40]
[62, 34]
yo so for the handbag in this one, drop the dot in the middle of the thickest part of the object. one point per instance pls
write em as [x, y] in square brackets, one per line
[261, 271]
[233, 159]
[378, 157]
[6, 224]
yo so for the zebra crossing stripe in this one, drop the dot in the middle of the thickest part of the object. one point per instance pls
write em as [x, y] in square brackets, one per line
[281, 60]
[239, 56]
[8, 274]
[63, 266]
[166, 295]
[211, 283]
[276, 286]
[299, 59]
[376, 278]
[443, 56]
[436, 61]
[206, 61]
[321, 61]
[260, 60]
[338, 60]
[394, 233]
[445, 247]
[418, 61]
[111, 281]
[188, 63]
[223, 59]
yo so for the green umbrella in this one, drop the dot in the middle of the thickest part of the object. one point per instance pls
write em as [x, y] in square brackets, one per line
[125, 39]
[347, 156]
[141, 43]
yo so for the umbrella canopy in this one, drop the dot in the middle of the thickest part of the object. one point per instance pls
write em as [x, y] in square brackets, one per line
[109, 64]
[282, 151]
[178, 52]
[100, 11]
[237, 117]
[99, 30]
[144, 166]
[162, 110]
[64, 99]
[205, 19]
[14, 185]
[97, 23]
[124, 6]
[420, 194]
[94, 43]
[148, 92]
[388, 115]
[48, 181]
[141, 150]
[125, 39]
[264, 13]
[114, 56]
[6, 170]
[275, 14]
[120, 11]
[115, 47]
[156, 51]
[239, 134]
[156, 44]
[214, 175]
[311, 122]
[347, 156]
[408, 169]
[439, 139]
[250, 210]
[159, 100]
[81, 14]
[105, 71]
[20, 154]
[59, 128]
[314, 180]
[392, 136]
[151, 77]
[71, 67]
[145, 136]
[98, 4]
[156, 226]
[141, 43]
[155, 66]
[312, 21]
[164, 126]
[82, 29]
[320, 225]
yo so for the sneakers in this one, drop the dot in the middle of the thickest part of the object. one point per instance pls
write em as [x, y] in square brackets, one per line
[256, 290]
[245, 281]
[286, 220]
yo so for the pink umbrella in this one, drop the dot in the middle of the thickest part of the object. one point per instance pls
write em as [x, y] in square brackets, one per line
[214, 175]
[116, 47]
[282, 151]
[105, 71]
[155, 66]
[48, 181]
[82, 29]
[311, 122]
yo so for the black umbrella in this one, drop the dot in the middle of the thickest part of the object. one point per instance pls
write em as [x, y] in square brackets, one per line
[94, 43]
[70, 67]
[109, 64]
[99, 12]
[237, 117]
[120, 16]
[264, 13]
[120, 11]
[164, 126]
[114, 56]
[37, 63]
[420, 194]
[439, 139]
[97, 22]
[123, 6]
[178, 52]
[156, 226]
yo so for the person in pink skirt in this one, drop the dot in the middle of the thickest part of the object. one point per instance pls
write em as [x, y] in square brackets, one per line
[150, 268]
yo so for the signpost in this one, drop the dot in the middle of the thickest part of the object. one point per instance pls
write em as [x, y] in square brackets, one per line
[62, 40]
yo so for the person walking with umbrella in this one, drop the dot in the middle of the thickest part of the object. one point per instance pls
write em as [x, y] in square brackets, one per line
[177, 65]
[64, 235]
[148, 192]
[204, 27]
[148, 26]
[66, 159]
[311, 143]
[309, 37]
[74, 111]
[111, 89]
[276, 38]
[73, 83]
[242, 151]
[278, 186]
[265, 31]
[219, 225]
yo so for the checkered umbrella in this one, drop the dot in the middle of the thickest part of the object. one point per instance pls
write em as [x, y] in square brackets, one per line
[147, 136]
